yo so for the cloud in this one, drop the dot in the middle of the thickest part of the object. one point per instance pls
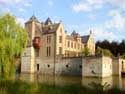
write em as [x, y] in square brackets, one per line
[26, 3]
[90, 5]
[13, 4]
[20, 21]
[117, 21]
[87, 5]
[118, 3]
[10, 1]
[101, 34]
[106, 29]
[81, 7]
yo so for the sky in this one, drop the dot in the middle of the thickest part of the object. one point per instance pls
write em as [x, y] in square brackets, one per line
[106, 18]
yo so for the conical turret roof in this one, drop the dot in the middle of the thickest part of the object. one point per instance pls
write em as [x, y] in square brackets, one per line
[48, 21]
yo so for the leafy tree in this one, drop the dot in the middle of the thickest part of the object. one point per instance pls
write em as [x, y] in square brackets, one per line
[101, 51]
[116, 48]
[86, 51]
[122, 47]
[107, 52]
[13, 39]
[123, 56]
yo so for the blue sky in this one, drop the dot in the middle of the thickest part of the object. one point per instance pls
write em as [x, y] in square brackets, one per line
[106, 18]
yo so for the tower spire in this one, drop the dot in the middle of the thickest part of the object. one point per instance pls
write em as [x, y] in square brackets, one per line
[90, 31]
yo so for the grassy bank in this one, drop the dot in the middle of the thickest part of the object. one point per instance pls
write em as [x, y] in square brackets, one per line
[20, 87]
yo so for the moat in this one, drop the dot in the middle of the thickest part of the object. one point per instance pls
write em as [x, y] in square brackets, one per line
[113, 81]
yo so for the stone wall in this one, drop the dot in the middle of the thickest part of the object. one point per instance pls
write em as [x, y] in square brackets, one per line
[47, 67]
[62, 66]
[106, 66]
[69, 66]
[122, 63]
[92, 66]
[96, 66]
[28, 61]
[118, 66]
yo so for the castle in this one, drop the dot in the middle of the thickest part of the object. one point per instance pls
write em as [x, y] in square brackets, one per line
[51, 50]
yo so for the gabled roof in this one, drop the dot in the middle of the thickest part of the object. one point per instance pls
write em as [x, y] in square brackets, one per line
[50, 28]
[85, 38]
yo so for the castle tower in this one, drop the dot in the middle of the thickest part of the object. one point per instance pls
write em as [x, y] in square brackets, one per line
[28, 57]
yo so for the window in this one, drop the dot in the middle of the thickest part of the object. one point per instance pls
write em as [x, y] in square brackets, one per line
[48, 39]
[60, 50]
[72, 45]
[68, 43]
[60, 39]
[75, 45]
[48, 51]
[78, 46]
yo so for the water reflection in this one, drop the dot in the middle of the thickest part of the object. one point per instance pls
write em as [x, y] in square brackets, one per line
[114, 81]
[87, 81]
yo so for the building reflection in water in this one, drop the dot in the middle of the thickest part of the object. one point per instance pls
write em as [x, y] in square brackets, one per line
[113, 81]
[87, 81]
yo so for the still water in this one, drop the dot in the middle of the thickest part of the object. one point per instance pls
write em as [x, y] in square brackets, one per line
[113, 81]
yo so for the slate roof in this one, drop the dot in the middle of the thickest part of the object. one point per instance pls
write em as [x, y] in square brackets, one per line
[33, 18]
[48, 21]
[85, 38]
[47, 29]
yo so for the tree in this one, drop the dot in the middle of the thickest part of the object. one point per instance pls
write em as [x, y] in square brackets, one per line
[107, 52]
[101, 51]
[123, 56]
[86, 51]
[13, 39]
[116, 48]
[122, 47]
